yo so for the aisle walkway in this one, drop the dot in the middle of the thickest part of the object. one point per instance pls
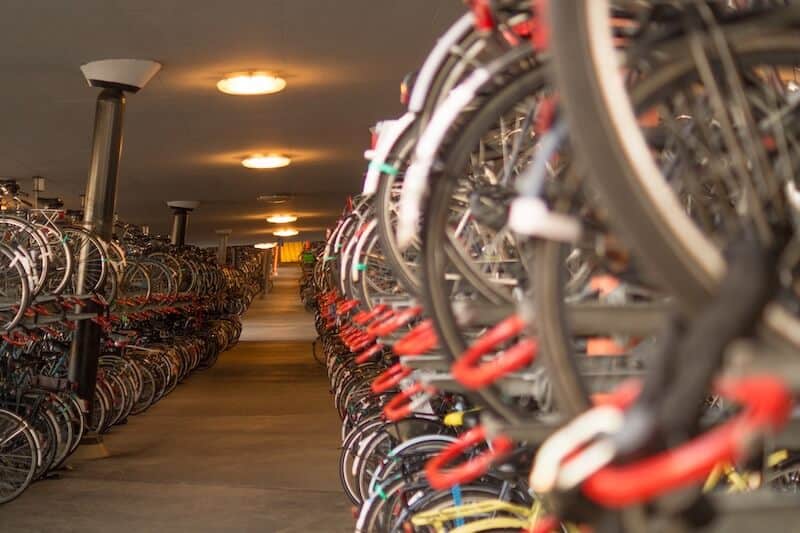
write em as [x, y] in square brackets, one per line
[251, 445]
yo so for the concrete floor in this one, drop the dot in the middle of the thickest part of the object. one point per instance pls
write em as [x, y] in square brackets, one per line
[250, 445]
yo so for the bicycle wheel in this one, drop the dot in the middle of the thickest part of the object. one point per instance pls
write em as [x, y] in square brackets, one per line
[373, 279]
[349, 451]
[135, 285]
[62, 413]
[18, 456]
[378, 447]
[49, 437]
[88, 253]
[455, 272]
[173, 268]
[78, 420]
[380, 514]
[411, 452]
[60, 264]
[14, 288]
[99, 413]
[404, 263]
[685, 255]
[25, 238]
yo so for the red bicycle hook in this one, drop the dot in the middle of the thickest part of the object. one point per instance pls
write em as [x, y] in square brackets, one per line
[401, 405]
[441, 479]
[418, 341]
[396, 322]
[767, 405]
[390, 378]
[472, 374]
[369, 354]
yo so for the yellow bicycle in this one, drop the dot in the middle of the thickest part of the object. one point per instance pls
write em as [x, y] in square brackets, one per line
[485, 516]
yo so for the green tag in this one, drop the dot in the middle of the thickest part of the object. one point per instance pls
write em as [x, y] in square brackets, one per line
[385, 168]
[361, 267]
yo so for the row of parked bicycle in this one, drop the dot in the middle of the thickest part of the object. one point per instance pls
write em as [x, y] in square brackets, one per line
[164, 312]
[567, 297]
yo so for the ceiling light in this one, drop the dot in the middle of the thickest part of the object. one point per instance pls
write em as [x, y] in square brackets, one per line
[266, 161]
[275, 198]
[281, 219]
[286, 233]
[265, 245]
[251, 83]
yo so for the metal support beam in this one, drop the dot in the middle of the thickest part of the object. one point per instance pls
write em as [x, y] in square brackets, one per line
[266, 265]
[100, 202]
[222, 247]
[180, 218]
[38, 187]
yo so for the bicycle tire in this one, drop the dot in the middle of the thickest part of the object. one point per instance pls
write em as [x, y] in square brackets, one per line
[25, 460]
[438, 300]
[604, 129]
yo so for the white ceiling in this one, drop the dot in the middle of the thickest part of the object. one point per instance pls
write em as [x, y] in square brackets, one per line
[343, 60]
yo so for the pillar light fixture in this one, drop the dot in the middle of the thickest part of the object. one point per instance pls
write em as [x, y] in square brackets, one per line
[251, 83]
[286, 233]
[265, 245]
[281, 219]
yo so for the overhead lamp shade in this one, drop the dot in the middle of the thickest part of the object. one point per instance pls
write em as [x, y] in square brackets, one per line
[127, 74]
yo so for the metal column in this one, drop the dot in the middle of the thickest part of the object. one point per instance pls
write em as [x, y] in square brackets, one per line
[222, 247]
[266, 264]
[101, 197]
[38, 187]
[179, 220]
